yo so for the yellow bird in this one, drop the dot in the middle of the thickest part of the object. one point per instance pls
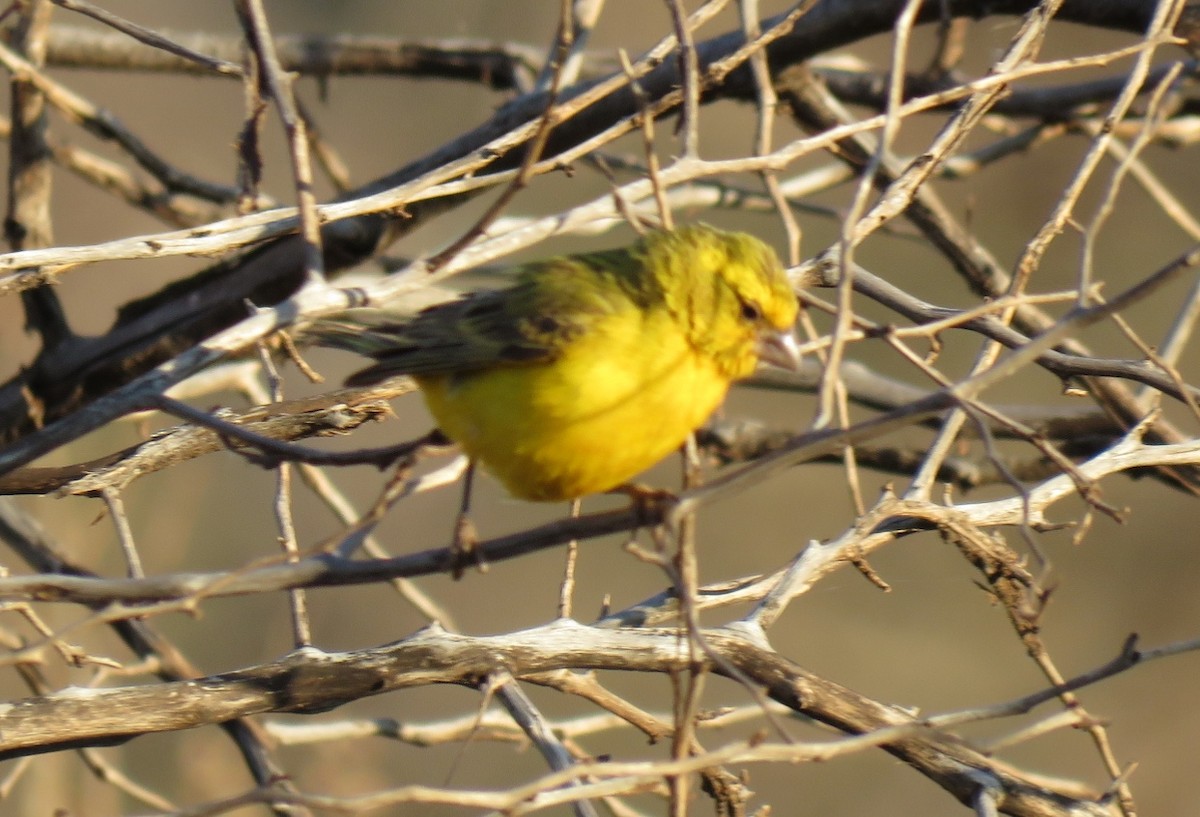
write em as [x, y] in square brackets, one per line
[589, 368]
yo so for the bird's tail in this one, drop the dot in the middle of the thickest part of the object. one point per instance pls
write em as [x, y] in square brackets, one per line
[364, 332]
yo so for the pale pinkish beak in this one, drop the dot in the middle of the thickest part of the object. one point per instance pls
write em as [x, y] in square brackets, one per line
[779, 349]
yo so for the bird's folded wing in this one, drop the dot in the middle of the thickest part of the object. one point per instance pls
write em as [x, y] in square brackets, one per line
[527, 323]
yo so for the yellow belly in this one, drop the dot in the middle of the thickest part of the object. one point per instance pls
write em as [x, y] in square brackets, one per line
[605, 410]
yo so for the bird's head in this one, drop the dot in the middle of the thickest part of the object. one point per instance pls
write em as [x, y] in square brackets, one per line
[731, 290]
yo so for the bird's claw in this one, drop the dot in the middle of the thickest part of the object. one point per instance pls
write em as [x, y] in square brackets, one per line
[651, 504]
[464, 549]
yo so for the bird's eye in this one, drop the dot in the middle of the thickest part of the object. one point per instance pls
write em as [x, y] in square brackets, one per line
[751, 312]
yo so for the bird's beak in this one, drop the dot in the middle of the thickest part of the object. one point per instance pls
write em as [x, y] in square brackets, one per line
[779, 349]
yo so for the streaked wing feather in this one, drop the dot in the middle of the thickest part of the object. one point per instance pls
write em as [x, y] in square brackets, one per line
[528, 322]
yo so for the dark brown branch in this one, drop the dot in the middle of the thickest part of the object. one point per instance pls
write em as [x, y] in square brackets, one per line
[1065, 365]
[1055, 103]
[275, 451]
[746, 443]
[500, 66]
[338, 412]
[874, 389]
[27, 223]
[152, 39]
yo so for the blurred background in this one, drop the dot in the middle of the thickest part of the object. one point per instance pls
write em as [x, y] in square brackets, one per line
[935, 642]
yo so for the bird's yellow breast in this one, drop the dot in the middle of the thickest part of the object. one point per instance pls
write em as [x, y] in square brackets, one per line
[613, 403]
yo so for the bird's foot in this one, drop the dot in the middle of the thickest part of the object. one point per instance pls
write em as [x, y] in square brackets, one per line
[651, 504]
[464, 549]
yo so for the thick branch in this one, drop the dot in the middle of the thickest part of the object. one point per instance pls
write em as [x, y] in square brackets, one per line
[311, 681]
